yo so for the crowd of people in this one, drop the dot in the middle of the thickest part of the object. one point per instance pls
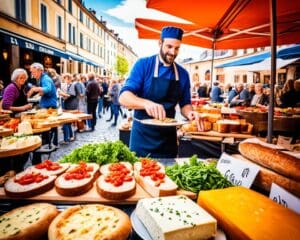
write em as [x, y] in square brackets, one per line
[252, 94]
[88, 93]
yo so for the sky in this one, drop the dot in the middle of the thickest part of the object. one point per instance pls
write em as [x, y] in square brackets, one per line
[120, 16]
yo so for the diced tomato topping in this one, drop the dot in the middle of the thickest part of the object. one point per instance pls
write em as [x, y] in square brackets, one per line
[49, 165]
[79, 172]
[31, 178]
[151, 168]
[118, 174]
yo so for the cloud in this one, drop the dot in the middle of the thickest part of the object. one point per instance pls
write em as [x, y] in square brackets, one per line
[128, 10]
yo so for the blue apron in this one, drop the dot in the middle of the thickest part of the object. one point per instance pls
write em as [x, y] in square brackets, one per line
[153, 141]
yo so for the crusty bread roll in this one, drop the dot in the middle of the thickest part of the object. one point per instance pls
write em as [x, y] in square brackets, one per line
[15, 189]
[165, 188]
[282, 163]
[28, 222]
[125, 183]
[74, 187]
[91, 221]
[266, 177]
[109, 191]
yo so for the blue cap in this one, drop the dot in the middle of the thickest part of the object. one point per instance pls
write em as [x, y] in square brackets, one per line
[171, 32]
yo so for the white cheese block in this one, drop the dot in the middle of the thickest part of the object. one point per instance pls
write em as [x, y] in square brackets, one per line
[175, 217]
[25, 128]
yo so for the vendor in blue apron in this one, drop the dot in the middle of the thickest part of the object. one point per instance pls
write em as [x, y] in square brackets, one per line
[155, 86]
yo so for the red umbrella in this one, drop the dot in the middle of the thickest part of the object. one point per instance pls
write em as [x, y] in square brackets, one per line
[231, 24]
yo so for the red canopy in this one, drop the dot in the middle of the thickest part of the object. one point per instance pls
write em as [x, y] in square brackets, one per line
[233, 24]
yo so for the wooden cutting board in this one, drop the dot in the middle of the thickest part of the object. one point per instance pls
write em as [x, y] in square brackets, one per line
[92, 196]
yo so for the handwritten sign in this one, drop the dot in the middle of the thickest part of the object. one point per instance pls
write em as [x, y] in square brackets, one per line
[284, 142]
[238, 172]
[283, 197]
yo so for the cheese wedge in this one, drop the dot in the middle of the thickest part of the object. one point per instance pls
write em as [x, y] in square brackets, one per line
[246, 214]
[175, 217]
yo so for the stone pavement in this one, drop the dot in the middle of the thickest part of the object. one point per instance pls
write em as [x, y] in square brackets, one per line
[103, 132]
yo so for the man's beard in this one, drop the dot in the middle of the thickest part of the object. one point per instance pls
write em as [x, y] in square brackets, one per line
[168, 58]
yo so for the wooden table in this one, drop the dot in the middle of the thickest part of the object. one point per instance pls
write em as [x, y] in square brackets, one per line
[4, 132]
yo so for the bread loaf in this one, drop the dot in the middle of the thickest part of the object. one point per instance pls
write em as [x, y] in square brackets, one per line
[266, 177]
[246, 214]
[117, 181]
[28, 184]
[77, 180]
[28, 222]
[91, 221]
[274, 159]
[157, 184]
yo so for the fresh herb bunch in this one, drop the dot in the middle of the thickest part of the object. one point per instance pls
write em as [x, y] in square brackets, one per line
[101, 153]
[197, 175]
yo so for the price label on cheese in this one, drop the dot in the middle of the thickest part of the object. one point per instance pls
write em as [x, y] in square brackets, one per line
[285, 198]
[238, 172]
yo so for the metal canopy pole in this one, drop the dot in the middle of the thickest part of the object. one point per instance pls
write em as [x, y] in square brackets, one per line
[272, 4]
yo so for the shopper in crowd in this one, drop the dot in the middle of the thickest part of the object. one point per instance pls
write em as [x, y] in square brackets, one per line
[155, 86]
[55, 77]
[70, 103]
[100, 99]
[105, 85]
[247, 93]
[114, 94]
[14, 97]
[45, 87]
[235, 92]
[259, 99]
[287, 97]
[202, 90]
[47, 90]
[92, 94]
[216, 92]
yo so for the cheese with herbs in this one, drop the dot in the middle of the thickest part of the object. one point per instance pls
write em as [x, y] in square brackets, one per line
[175, 217]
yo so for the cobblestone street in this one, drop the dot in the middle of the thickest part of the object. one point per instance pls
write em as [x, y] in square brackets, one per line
[104, 132]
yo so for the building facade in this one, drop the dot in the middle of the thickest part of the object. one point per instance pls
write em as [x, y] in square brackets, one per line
[60, 34]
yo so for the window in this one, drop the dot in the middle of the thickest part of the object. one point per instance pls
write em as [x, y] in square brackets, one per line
[74, 35]
[70, 6]
[70, 33]
[20, 8]
[81, 40]
[59, 27]
[43, 18]
[80, 16]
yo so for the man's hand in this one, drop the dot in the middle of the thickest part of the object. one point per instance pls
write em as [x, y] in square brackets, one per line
[192, 115]
[155, 110]
[34, 90]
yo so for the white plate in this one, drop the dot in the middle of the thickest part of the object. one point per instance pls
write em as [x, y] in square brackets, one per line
[158, 123]
[140, 229]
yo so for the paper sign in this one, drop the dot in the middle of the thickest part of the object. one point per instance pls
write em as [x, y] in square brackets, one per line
[283, 197]
[238, 172]
[284, 142]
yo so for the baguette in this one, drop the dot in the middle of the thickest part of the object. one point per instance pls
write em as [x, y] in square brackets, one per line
[156, 188]
[13, 188]
[266, 177]
[77, 185]
[28, 222]
[117, 181]
[280, 162]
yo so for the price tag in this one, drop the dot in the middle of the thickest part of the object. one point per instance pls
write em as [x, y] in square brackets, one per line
[283, 197]
[238, 172]
[284, 142]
